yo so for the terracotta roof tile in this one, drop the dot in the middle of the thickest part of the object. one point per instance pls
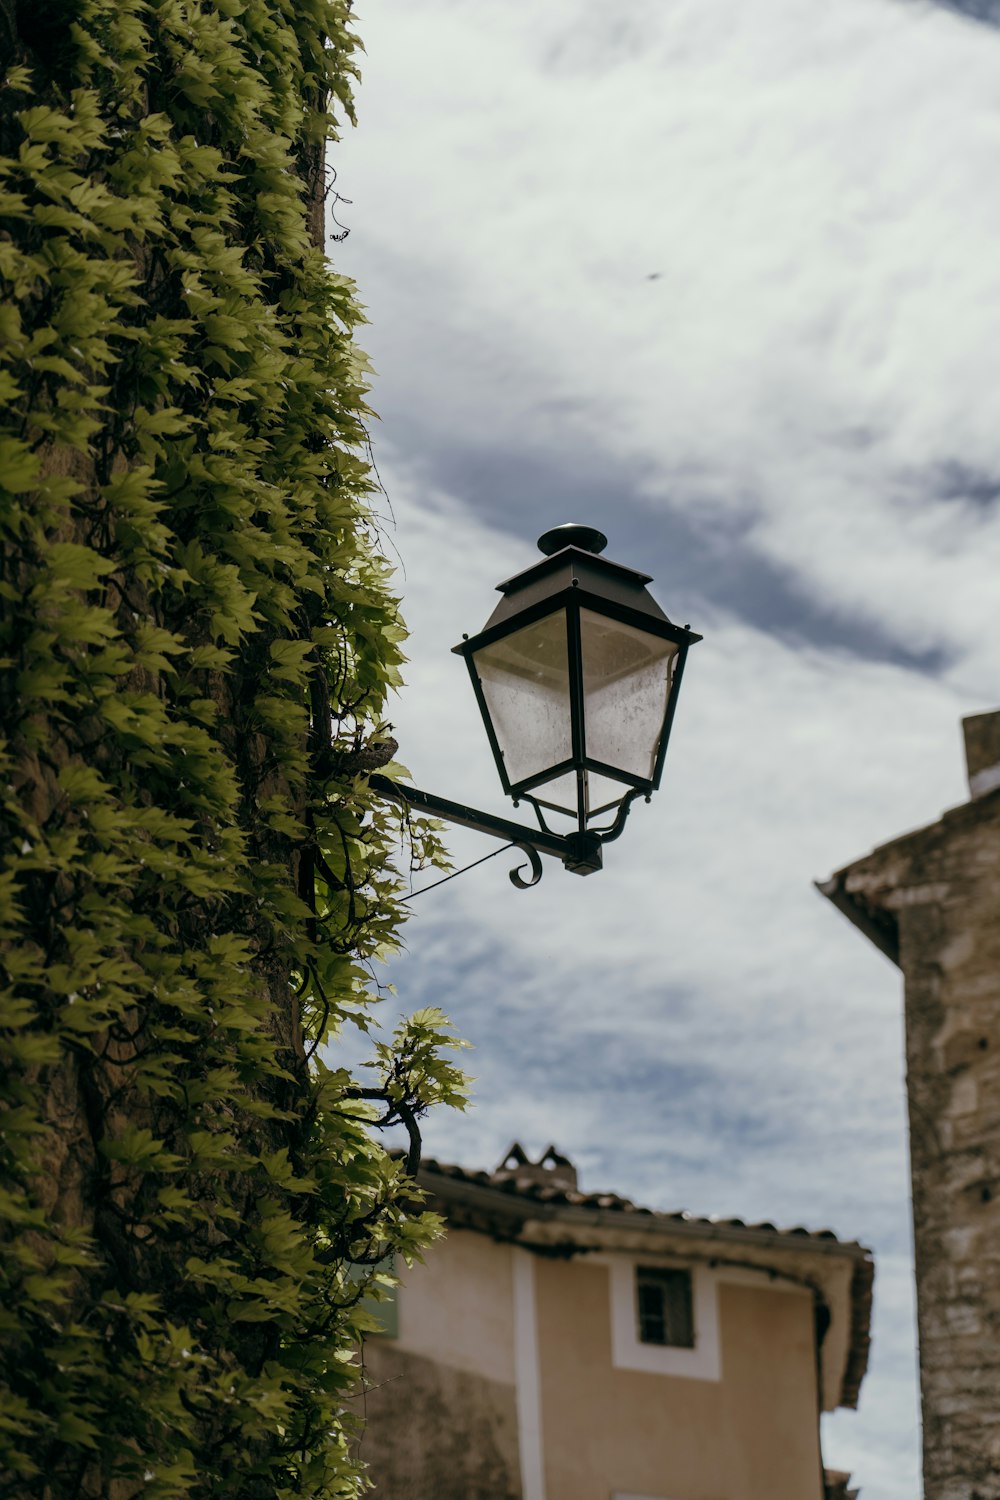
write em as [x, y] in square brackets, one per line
[528, 1185]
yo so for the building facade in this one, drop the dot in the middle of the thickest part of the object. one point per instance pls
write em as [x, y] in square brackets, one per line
[931, 902]
[558, 1345]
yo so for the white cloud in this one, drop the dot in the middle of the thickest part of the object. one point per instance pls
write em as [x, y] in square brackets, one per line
[813, 190]
[811, 369]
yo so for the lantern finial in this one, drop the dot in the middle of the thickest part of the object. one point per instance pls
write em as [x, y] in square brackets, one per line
[587, 538]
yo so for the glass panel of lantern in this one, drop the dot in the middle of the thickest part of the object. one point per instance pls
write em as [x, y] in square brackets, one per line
[600, 794]
[627, 676]
[525, 681]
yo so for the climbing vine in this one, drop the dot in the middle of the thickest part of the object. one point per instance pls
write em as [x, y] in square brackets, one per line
[196, 643]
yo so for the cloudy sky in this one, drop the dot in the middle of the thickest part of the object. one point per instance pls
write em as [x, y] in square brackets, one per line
[722, 279]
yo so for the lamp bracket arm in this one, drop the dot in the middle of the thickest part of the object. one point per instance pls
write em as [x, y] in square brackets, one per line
[580, 853]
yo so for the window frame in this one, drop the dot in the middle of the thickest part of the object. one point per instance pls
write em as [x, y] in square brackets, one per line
[676, 1314]
[628, 1352]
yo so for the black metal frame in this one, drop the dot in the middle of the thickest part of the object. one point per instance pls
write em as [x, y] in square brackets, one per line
[580, 852]
[570, 602]
[571, 577]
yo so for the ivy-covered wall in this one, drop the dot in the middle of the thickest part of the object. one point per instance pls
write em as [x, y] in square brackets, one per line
[196, 641]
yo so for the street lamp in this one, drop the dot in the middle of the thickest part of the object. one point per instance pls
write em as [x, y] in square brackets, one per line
[576, 673]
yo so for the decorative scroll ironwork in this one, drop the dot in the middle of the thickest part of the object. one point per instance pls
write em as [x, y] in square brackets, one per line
[534, 859]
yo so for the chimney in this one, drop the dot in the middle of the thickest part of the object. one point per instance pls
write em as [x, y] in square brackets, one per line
[982, 751]
[552, 1169]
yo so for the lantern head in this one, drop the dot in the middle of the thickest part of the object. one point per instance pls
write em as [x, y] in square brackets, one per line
[576, 673]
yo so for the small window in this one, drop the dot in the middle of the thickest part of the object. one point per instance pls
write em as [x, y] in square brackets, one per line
[664, 1308]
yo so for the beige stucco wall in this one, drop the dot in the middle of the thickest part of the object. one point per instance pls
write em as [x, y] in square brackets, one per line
[457, 1304]
[441, 1408]
[443, 1403]
[753, 1435]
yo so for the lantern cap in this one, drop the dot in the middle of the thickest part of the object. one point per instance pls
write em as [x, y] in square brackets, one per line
[572, 571]
[587, 538]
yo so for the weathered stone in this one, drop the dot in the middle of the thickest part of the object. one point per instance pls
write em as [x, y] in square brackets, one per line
[932, 900]
[982, 752]
[433, 1431]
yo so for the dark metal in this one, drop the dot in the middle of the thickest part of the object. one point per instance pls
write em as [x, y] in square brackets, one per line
[536, 869]
[485, 715]
[548, 583]
[579, 852]
[571, 601]
[578, 727]
[675, 687]
[587, 538]
[575, 594]
[570, 577]
[608, 835]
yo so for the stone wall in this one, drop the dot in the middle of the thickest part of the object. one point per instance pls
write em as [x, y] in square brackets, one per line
[950, 956]
[940, 888]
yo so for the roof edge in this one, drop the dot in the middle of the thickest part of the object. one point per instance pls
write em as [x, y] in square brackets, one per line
[860, 1336]
[502, 1204]
[857, 889]
[879, 925]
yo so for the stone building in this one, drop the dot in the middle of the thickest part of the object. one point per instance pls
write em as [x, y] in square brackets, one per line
[561, 1345]
[931, 901]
